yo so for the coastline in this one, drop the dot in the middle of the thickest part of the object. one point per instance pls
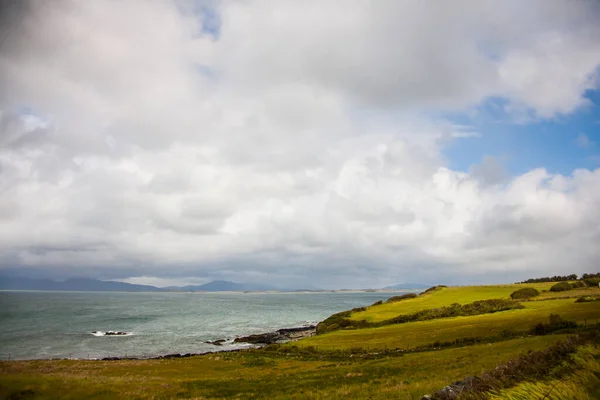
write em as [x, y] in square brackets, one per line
[252, 341]
[144, 340]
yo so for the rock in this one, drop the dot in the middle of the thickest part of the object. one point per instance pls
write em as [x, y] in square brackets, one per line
[449, 392]
[298, 333]
[426, 397]
[112, 333]
[454, 391]
[218, 342]
[261, 338]
[279, 336]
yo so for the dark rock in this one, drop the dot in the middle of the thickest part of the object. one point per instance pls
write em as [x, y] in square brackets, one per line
[175, 355]
[261, 338]
[218, 342]
[452, 392]
[279, 336]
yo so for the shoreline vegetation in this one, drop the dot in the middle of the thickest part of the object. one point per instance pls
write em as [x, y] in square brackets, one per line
[518, 341]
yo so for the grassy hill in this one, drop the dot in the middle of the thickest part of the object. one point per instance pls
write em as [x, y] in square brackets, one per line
[442, 297]
[394, 361]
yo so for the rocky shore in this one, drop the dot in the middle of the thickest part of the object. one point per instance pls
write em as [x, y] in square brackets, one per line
[260, 339]
[279, 336]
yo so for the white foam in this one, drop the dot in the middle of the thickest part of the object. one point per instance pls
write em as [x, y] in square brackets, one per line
[111, 333]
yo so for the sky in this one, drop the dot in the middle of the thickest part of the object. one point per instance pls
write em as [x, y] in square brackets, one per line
[301, 144]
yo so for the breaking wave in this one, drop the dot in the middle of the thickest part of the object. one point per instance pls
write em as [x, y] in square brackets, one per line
[111, 333]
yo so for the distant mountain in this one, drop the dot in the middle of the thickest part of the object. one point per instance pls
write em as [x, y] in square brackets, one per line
[408, 286]
[226, 286]
[95, 285]
[73, 284]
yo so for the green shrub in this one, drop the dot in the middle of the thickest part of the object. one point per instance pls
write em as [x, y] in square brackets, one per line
[591, 281]
[556, 323]
[433, 289]
[525, 293]
[561, 287]
[578, 284]
[586, 299]
[332, 327]
[456, 310]
[377, 303]
[341, 321]
[556, 361]
[402, 297]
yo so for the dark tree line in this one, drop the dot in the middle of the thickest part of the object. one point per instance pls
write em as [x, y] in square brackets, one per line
[559, 278]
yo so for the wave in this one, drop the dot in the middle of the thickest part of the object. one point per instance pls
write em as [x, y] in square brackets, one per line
[111, 333]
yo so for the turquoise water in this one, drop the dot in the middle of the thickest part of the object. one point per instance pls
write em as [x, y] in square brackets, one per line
[60, 324]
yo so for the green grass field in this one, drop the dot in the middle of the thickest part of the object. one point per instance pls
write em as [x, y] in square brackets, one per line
[448, 329]
[458, 294]
[257, 375]
[320, 367]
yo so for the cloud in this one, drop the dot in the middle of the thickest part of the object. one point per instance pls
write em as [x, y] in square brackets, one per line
[286, 142]
[489, 171]
[583, 141]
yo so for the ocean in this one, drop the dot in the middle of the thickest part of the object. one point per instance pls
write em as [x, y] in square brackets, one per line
[41, 325]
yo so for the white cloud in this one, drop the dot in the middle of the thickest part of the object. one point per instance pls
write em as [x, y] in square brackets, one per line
[583, 140]
[304, 155]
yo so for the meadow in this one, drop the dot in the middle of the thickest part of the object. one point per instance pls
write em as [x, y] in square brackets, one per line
[421, 333]
[460, 295]
[397, 361]
[257, 374]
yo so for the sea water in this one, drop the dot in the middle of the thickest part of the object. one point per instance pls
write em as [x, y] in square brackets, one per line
[38, 324]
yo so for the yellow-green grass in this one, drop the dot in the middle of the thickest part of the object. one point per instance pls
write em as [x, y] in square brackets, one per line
[257, 375]
[461, 295]
[582, 384]
[573, 293]
[423, 333]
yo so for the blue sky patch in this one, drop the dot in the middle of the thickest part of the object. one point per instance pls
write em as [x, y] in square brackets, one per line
[560, 145]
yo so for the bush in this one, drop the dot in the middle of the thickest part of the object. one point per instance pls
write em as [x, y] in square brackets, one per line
[525, 293]
[588, 276]
[455, 310]
[586, 299]
[556, 323]
[556, 278]
[578, 284]
[402, 297]
[561, 287]
[331, 328]
[591, 281]
[340, 321]
[433, 289]
[377, 303]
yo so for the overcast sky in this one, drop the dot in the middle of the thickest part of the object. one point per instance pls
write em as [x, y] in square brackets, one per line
[296, 143]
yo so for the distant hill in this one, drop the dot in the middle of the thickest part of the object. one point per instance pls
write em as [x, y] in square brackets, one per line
[95, 285]
[408, 286]
[226, 286]
[73, 284]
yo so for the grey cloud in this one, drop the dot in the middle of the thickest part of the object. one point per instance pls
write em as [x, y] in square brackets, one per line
[390, 53]
[490, 170]
[308, 157]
